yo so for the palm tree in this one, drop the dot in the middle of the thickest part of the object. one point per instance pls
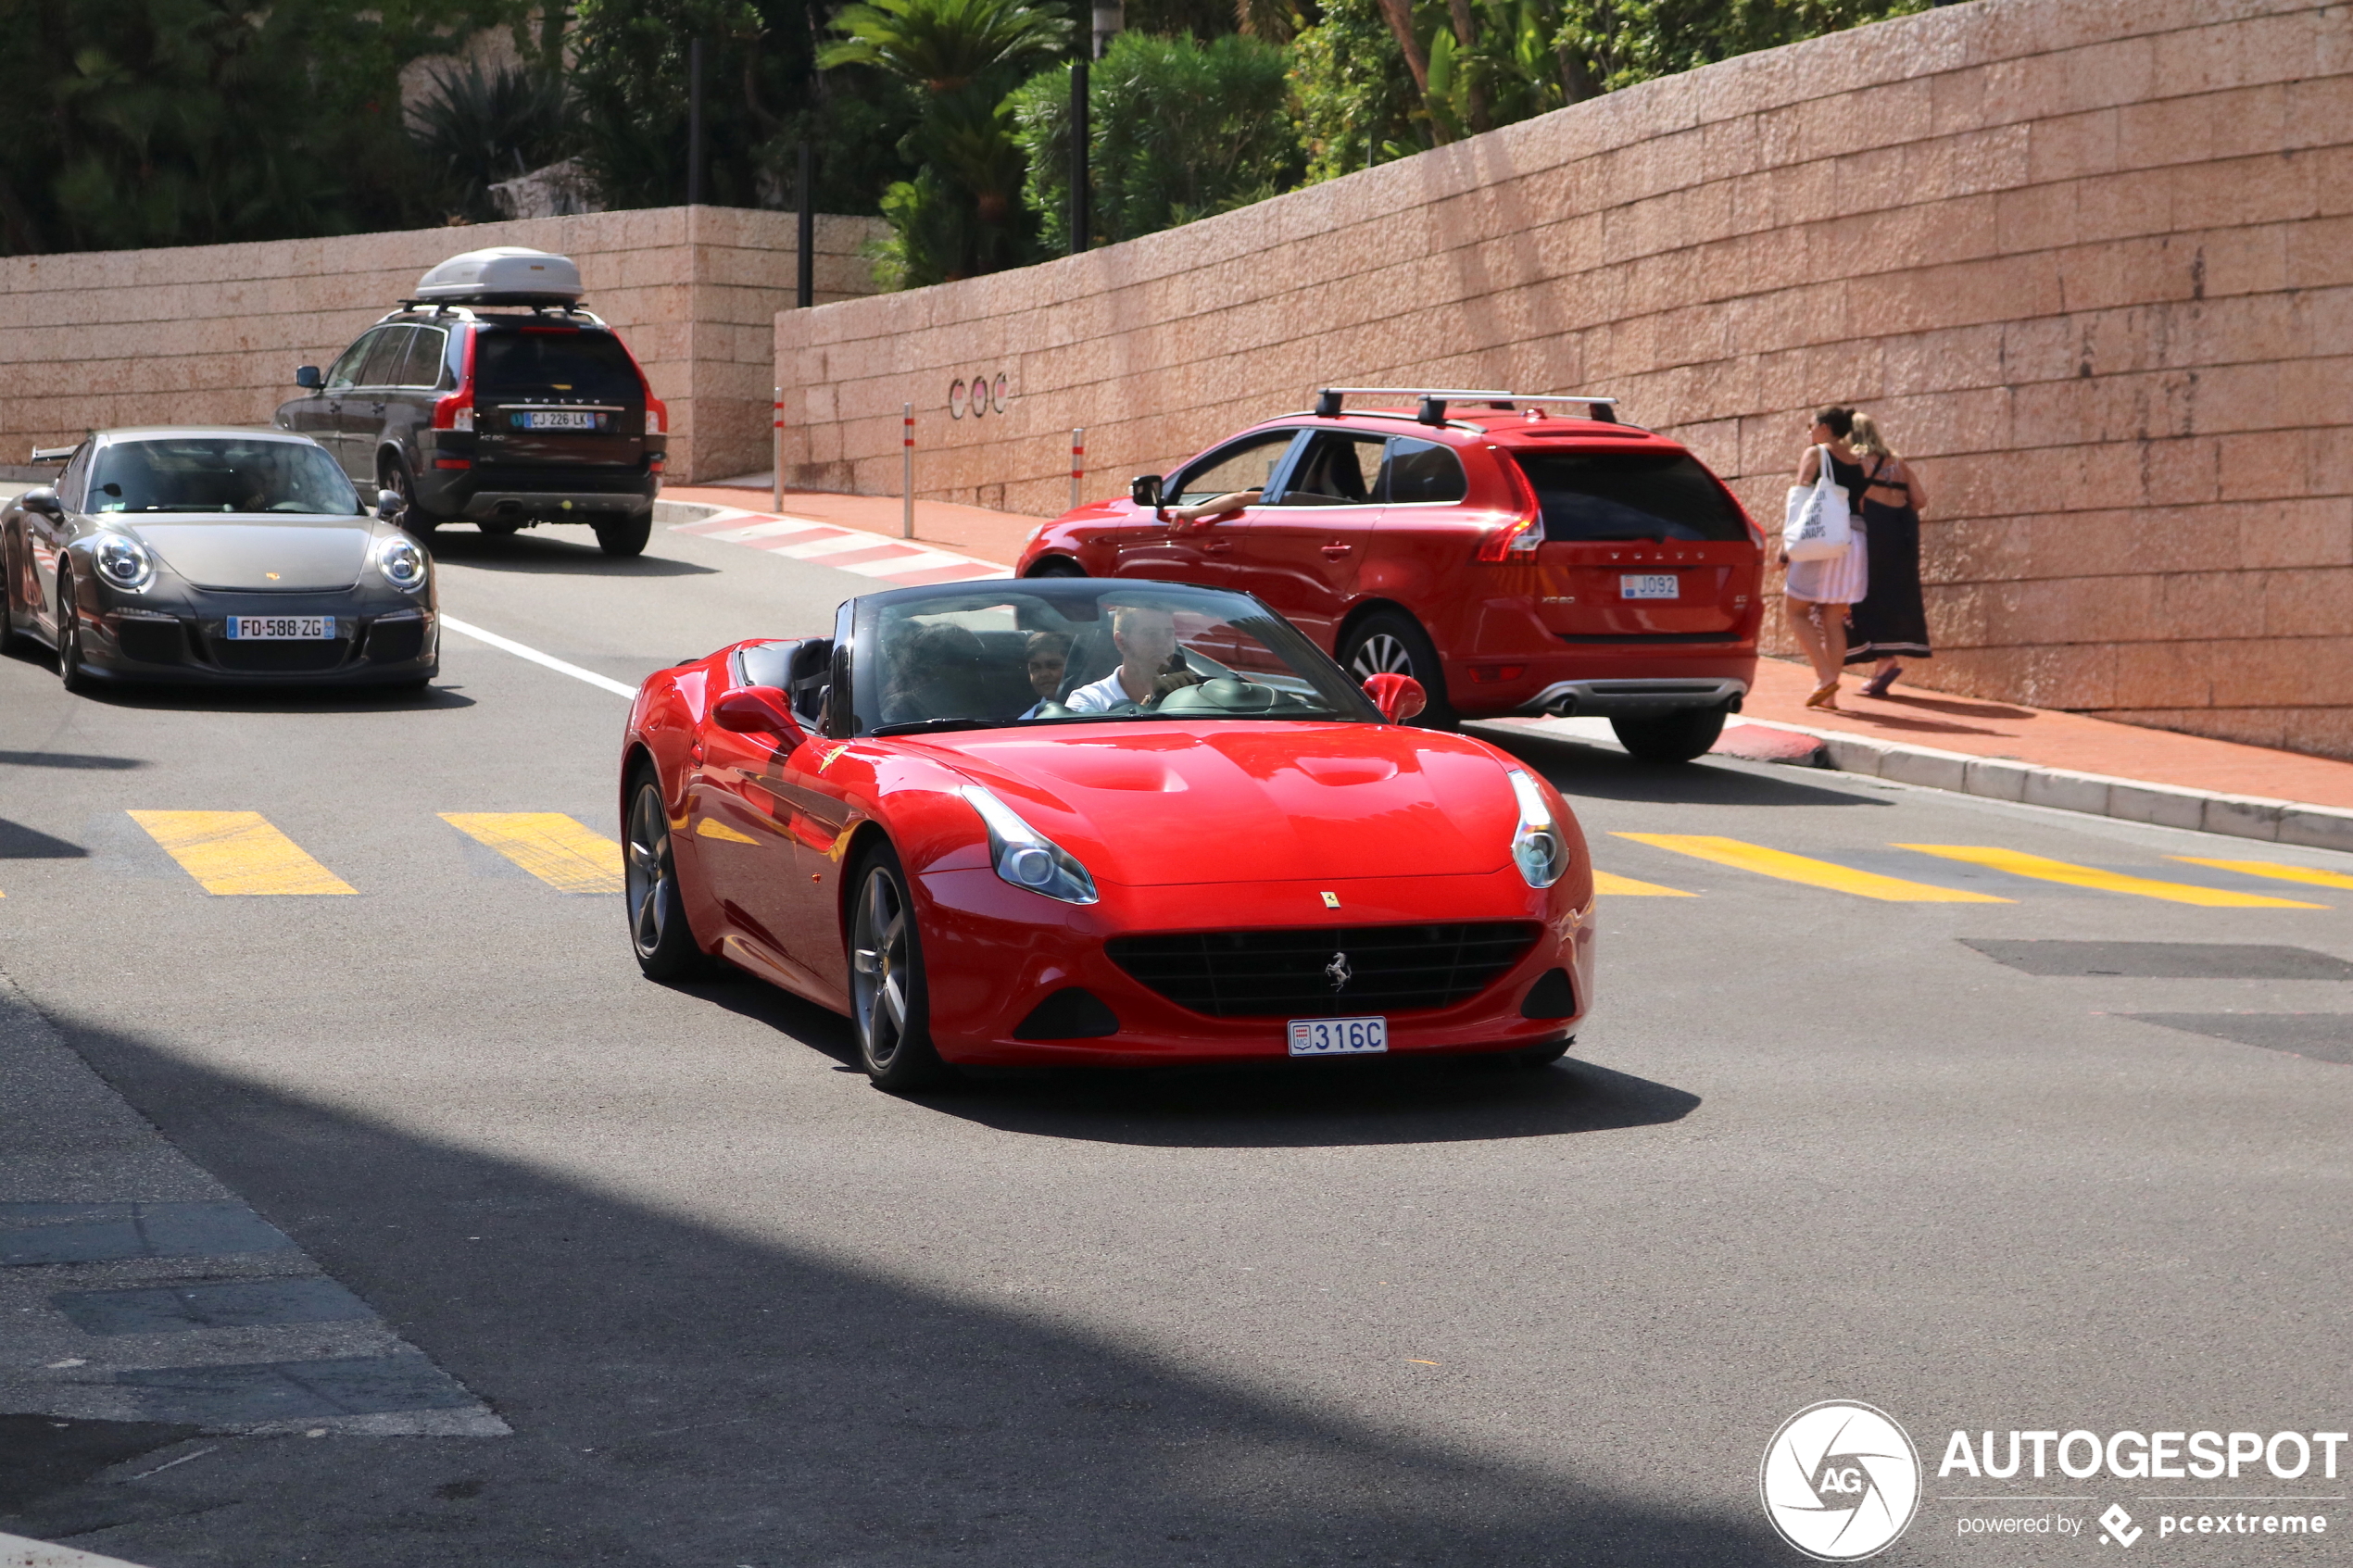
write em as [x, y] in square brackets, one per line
[963, 215]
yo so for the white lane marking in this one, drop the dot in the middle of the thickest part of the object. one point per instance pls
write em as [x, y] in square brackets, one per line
[550, 661]
[815, 542]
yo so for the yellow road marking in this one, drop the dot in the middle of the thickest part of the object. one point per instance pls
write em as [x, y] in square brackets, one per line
[1626, 886]
[550, 846]
[2273, 869]
[2044, 870]
[707, 828]
[238, 853]
[1814, 874]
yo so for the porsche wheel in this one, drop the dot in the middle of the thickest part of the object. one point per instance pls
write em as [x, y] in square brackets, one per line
[659, 934]
[887, 997]
[12, 638]
[70, 637]
[1390, 643]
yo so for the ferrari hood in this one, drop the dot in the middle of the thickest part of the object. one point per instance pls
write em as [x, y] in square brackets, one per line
[270, 555]
[1157, 806]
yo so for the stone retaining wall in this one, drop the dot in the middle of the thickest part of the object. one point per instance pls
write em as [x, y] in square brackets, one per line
[2090, 261]
[212, 333]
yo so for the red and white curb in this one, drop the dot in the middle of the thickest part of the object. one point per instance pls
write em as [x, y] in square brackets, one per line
[854, 550]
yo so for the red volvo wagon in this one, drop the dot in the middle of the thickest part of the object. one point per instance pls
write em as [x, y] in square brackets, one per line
[1513, 560]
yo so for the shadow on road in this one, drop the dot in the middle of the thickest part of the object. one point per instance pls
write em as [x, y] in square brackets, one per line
[539, 552]
[1601, 773]
[1279, 1105]
[685, 1391]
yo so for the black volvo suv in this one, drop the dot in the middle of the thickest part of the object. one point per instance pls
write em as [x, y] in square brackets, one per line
[502, 418]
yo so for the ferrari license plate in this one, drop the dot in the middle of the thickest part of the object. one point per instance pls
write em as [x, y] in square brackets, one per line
[1649, 585]
[280, 628]
[559, 419]
[1339, 1036]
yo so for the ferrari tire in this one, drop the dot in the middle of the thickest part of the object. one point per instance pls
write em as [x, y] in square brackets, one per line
[889, 1003]
[1057, 566]
[625, 535]
[659, 933]
[1670, 737]
[69, 673]
[1392, 643]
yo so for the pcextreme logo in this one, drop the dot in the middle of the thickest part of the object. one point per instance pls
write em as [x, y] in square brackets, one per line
[1841, 1481]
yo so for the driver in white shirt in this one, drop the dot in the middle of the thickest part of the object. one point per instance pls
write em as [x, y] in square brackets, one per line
[1146, 638]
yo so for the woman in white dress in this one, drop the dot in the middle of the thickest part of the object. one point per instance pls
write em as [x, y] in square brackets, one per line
[1818, 593]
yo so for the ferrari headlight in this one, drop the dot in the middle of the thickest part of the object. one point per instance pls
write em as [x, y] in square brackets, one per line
[1537, 848]
[402, 563]
[123, 562]
[1027, 858]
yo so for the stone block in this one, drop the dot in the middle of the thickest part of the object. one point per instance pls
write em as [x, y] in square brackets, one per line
[2242, 816]
[2317, 827]
[1998, 778]
[1925, 767]
[2067, 790]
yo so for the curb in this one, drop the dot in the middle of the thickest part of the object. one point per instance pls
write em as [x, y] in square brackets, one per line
[19, 1552]
[2131, 800]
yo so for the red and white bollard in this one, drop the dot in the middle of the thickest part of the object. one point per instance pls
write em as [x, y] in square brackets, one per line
[907, 471]
[778, 443]
[1077, 462]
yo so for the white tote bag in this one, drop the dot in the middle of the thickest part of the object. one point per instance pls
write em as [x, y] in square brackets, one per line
[1816, 526]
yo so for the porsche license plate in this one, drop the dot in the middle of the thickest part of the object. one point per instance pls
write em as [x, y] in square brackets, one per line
[280, 628]
[1649, 585]
[559, 419]
[1339, 1036]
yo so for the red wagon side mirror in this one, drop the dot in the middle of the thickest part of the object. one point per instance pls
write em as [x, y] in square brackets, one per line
[755, 710]
[1398, 698]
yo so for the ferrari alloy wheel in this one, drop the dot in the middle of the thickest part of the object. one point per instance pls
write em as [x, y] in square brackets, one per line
[659, 934]
[70, 637]
[1387, 643]
[887, 993]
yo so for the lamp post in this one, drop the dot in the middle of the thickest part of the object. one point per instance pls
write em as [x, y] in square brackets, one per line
[693, 122]
[1110, 16]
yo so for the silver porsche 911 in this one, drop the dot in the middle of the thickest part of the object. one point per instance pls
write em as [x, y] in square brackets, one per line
[222, 556]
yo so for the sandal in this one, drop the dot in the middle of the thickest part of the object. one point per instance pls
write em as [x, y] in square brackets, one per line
[1825, 697]
[1876, 685]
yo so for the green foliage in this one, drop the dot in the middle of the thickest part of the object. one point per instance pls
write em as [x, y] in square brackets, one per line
[478, 126]
[962, 215]
[1356, 101]
[144, 122]
[761, 95]
[1178, 131]
[1623, 42]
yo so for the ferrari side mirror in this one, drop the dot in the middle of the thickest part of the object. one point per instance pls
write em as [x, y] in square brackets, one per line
[308, 378]
[1144, 491]
[1398, 698]
[42, 498]
[755, 710]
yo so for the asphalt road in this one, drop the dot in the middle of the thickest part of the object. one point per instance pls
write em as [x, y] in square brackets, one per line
[731, 1306]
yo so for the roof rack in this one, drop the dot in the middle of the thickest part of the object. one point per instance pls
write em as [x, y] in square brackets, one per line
[53, 453]
[435, 308]
[1433, 401]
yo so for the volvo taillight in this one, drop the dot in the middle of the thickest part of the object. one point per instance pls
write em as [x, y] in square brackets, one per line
[1523, 533]
[456, 410]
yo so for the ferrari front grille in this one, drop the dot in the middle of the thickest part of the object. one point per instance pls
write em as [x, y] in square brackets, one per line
[1324, 972]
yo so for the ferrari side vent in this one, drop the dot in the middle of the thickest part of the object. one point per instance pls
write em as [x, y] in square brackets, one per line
[1324, 972]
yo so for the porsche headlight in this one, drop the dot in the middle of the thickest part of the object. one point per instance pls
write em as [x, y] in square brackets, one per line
[123, 562]
[1027, 858]
[402, 563]
[1537, 848]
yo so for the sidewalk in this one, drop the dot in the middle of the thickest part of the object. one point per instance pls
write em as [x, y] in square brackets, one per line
[1978, 746]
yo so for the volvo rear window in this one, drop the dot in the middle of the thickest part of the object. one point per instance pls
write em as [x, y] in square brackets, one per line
[1629, 496]
[560, 364]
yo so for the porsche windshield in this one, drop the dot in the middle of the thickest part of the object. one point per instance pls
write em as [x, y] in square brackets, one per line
[1079, 651]
[220, 475]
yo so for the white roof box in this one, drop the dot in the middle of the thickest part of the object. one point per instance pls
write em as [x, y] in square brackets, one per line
[503, 275]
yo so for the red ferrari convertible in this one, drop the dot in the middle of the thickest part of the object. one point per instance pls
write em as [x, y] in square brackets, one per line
[1078, 822]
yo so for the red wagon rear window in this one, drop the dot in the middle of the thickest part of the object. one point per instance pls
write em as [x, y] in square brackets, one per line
[1629, 496]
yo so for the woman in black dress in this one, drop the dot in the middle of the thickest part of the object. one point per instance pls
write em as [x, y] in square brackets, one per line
[1888, 623]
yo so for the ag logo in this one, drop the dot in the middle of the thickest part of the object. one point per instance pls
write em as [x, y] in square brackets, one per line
[1840, 1480]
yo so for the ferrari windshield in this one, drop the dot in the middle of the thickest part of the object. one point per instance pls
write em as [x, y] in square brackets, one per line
[1081, 651]
[220, 475]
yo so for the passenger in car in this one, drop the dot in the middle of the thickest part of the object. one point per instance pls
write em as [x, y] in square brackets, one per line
[1150, 666]
[1047, 656]
[940, 677]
